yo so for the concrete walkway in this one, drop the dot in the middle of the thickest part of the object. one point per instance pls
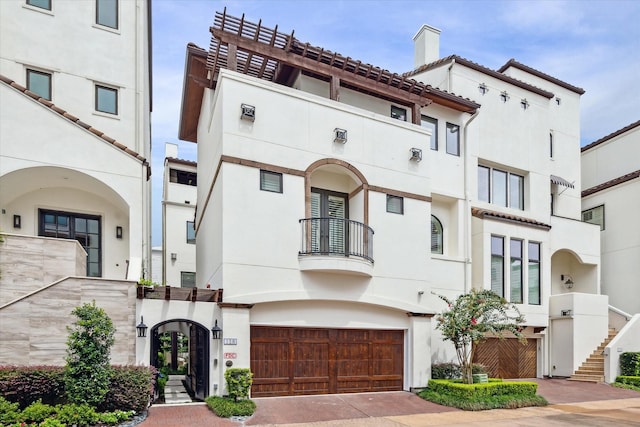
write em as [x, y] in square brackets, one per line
[571, 404]
[174, 391]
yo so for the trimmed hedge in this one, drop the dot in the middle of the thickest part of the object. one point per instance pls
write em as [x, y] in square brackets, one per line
[630, 364]
[130, 389]
[226, 407]
[628, 379]
[458, 390]
[27, 384]
[450, 370]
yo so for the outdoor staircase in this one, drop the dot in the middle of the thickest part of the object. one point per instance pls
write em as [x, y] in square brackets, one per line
[592, 370]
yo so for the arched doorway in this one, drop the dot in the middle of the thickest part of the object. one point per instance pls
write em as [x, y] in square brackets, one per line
[197, 354]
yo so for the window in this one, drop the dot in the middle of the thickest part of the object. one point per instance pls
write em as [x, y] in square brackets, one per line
[42, 4]
[515, 270]
[183, 177]
[500, 187]
[107, 13]
[594, 216]
[431, 124]
[395, 204]
[497, 265]
[453, 139]
[83, 228]
[551, 145]
[187, 279]
[398, 113]
[271, 181]
[329, 212]
[106, 100]
[436, 236]
[39, 83]
[191, 232]
[534, 273]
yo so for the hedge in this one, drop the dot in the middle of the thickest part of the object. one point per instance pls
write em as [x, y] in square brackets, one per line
[130, 388]
[493, 388]
[630, 364]
[629, 379]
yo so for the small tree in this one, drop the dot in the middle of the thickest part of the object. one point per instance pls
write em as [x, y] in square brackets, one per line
[239, 382]
[88, 352]
[471, 317]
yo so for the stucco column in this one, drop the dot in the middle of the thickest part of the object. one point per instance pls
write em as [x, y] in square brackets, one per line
[236, 339]
[419, 350]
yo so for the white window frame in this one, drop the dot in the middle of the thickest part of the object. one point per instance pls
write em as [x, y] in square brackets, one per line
[117, 15]
[30, 70]
[508, 188]
[434, 123]
[99, 86]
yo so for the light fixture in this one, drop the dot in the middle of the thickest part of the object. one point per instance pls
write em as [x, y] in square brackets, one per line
[416, 154]
[340, 135]
[17, 221]
[174, 256]
[216, 331]
[504, 96]
[524, 103]
[142, 328]
[248, 112]
[567, 281]
[483, 88]
[118, 232]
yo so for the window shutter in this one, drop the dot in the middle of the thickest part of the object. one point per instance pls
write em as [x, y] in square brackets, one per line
[336, 224]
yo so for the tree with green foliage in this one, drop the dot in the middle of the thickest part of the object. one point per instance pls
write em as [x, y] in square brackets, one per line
[471, 318]
[88, 370]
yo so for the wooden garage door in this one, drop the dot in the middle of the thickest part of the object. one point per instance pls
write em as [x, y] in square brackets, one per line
[294, 361]
[508, 358]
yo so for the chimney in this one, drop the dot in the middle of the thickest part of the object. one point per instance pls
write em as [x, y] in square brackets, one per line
[426, 46]
[171, 150]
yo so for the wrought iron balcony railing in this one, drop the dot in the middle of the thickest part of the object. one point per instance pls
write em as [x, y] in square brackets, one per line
[336, 236]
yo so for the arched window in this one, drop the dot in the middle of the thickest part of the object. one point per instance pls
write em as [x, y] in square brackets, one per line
[436, 236]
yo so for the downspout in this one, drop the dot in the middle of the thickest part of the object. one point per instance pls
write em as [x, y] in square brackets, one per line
[467, 205]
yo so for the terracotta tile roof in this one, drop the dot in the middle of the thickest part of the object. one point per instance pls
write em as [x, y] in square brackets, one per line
[611, 136]
[499, 216]
[50, 105]
[181, 161]
[513, 63]
[612, 183]
[475, 66]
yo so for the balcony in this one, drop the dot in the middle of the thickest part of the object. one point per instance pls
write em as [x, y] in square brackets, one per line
[336, 245]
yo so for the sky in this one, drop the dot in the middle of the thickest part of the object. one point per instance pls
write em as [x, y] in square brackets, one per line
[592, 44]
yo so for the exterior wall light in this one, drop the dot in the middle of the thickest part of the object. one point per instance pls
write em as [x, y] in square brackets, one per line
[216, 331]
[416, 154]
[340, 135]
[142, 328]
[174, 256]
[17, 221]
[118, 232]
[567, 281]
[248, 112]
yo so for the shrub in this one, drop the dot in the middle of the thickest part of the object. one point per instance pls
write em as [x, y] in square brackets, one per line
[37, 412]
[9, 412]
[239, 382]
[88, 351]
[630, 364]
[450, 370]
[629, 380]
[458, 390]
[52, 422]
[227, 407]
[27, 384]
[79, 415]
[130, 388]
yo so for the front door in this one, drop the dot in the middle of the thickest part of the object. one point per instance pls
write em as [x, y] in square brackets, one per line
[329, 212]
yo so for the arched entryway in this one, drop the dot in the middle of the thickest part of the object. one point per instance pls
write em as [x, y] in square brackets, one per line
[196, 360]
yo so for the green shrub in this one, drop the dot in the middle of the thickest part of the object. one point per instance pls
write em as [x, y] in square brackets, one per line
[239, 382]
[52, 422]
[88, 351]
[630, 364]
[27, 384]
[130, 389]
[480, 403]
[79, 415]
[629, 380]
[445, 371]
[227, 407]
[9, 412]
[458, 390]
[37, 412]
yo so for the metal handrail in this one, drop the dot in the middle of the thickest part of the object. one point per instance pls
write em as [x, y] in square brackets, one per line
[336, 236]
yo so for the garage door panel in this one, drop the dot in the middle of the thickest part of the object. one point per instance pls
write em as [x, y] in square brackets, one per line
[270, 360]
[328, 360]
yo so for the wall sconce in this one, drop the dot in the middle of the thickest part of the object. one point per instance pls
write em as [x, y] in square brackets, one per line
[17, 221]
[483, 88]
[118, 232]
[524, 103]
[504, 96]
[567, 281]
[248, 112]
[565, 313]
[416, 154]
[142, 328]
[174, 256]
[340, 135]
[216, 331]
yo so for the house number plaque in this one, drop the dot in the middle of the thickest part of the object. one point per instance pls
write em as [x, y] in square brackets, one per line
[230, 341]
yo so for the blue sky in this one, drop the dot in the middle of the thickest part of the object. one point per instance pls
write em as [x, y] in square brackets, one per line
[593, 44]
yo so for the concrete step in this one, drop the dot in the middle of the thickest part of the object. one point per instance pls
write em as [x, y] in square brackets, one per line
[587, 378]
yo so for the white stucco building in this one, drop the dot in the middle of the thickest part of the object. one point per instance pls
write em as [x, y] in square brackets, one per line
[178, 213]
[75, 102]
[611, 199]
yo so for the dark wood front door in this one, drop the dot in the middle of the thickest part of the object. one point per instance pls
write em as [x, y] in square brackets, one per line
[296, 361]
[508, 358]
